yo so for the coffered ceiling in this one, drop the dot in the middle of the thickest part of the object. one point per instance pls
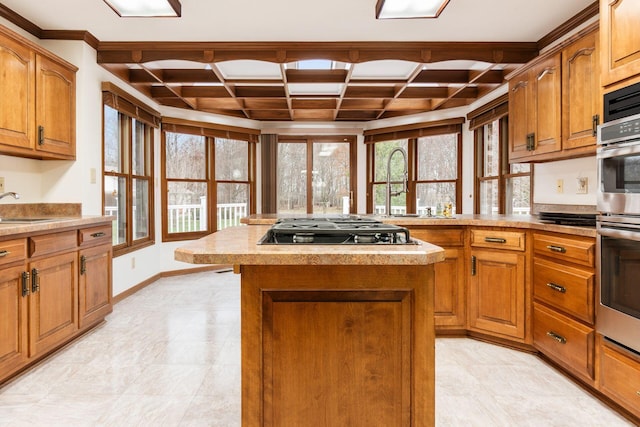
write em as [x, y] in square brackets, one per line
[288, 60]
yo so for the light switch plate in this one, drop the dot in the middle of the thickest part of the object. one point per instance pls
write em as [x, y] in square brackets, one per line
[582, 185]
[1, 185]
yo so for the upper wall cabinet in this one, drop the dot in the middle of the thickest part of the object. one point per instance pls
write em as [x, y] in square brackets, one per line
[620, 40]
[38, 102]
[553, 103]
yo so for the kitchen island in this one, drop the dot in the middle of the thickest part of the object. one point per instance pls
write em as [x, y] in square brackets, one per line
[331, 334]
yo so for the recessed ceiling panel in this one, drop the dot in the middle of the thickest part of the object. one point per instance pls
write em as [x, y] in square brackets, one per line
[315, 89]
[386, 69]
[249, 69]
[457, 65]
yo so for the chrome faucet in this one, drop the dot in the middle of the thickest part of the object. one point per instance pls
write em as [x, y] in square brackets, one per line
[404, 182]
[10, 193]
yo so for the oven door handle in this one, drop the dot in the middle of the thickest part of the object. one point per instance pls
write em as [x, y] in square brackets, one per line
[621, 233]
[619, 149]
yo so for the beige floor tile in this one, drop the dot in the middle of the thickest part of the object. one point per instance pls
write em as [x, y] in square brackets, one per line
[170, 356]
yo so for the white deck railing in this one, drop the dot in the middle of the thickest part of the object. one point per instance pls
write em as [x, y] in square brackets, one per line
[185, 218]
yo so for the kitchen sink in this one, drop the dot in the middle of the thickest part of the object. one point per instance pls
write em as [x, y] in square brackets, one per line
[25, 220]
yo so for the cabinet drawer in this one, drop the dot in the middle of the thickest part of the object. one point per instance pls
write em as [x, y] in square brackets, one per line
[440, 237]
[50, 243]
[13, 251]
[512, 240]
[579, 250]
[566, 288]
[620, 378]
[567, 342]
[94, 235]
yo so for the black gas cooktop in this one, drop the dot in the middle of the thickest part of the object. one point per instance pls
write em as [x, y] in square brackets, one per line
[348, 230]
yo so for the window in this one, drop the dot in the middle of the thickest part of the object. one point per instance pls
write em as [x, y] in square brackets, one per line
[202, 164]
[314, 174]
[433, 170]
[128, 169]
[501, 188]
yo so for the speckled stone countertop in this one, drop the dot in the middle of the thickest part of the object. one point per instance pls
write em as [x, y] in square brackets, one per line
[512, 221]
[54, 216]
[238, 246]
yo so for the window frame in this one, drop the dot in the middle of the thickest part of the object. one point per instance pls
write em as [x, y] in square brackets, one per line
[309, 140]
[210, 132]
[504, 167]
[130, 110]
[412, 134]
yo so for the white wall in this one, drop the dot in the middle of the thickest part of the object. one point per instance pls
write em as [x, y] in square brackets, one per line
[546, 178]
[69, 181]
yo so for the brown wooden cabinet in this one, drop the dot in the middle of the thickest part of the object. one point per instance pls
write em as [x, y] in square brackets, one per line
[620, 40]
[534, 119]
[581, 95]
[94, 291]
[554, 101]
[14, 345]
[53, 316]
[619, 376]
[498, 285]
[50, 291]
[37, 107]
[564, 301]
[450, 296]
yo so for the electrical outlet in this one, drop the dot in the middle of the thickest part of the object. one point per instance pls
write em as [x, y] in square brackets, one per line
[582, 185]
[92, 175]
[560, 186]
[133, 262]
[1, 185]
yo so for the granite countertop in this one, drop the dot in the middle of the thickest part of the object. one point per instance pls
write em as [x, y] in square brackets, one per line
[512, 221]
[51, 217]
[238, 246]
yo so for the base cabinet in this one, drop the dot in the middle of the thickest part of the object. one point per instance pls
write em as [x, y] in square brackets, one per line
[498, 284]
[46, 298]
[450, 295]
[53, 316]
[620, 375]
[14, 345]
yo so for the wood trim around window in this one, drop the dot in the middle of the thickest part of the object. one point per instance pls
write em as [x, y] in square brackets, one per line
[175, 125]
[122, 101]
[415, 130]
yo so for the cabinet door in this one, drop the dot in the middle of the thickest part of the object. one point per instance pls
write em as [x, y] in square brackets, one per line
[17, 99]
[94, 287]
[547, 90]
[13, 320]
[497, 293]
[520, 123]
[620, 40]
[53, 309]
[449, 298]
[55, 114]
[580, 93]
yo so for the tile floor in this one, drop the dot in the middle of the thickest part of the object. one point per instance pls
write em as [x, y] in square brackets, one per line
[170, 356]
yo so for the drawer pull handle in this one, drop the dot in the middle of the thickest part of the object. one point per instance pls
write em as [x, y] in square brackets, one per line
[638, 392]
[25, 283]
[35, 280]
[558, 288]
[495, 240]
[473, 265]
[559, 249]
[559, 338]
[4, 253]
[98, 234]
[83, 264]
[40, 135]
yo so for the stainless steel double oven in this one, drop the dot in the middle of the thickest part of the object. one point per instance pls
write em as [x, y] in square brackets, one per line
[618, 228]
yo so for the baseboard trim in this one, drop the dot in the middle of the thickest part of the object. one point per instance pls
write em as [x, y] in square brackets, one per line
[171, 273]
